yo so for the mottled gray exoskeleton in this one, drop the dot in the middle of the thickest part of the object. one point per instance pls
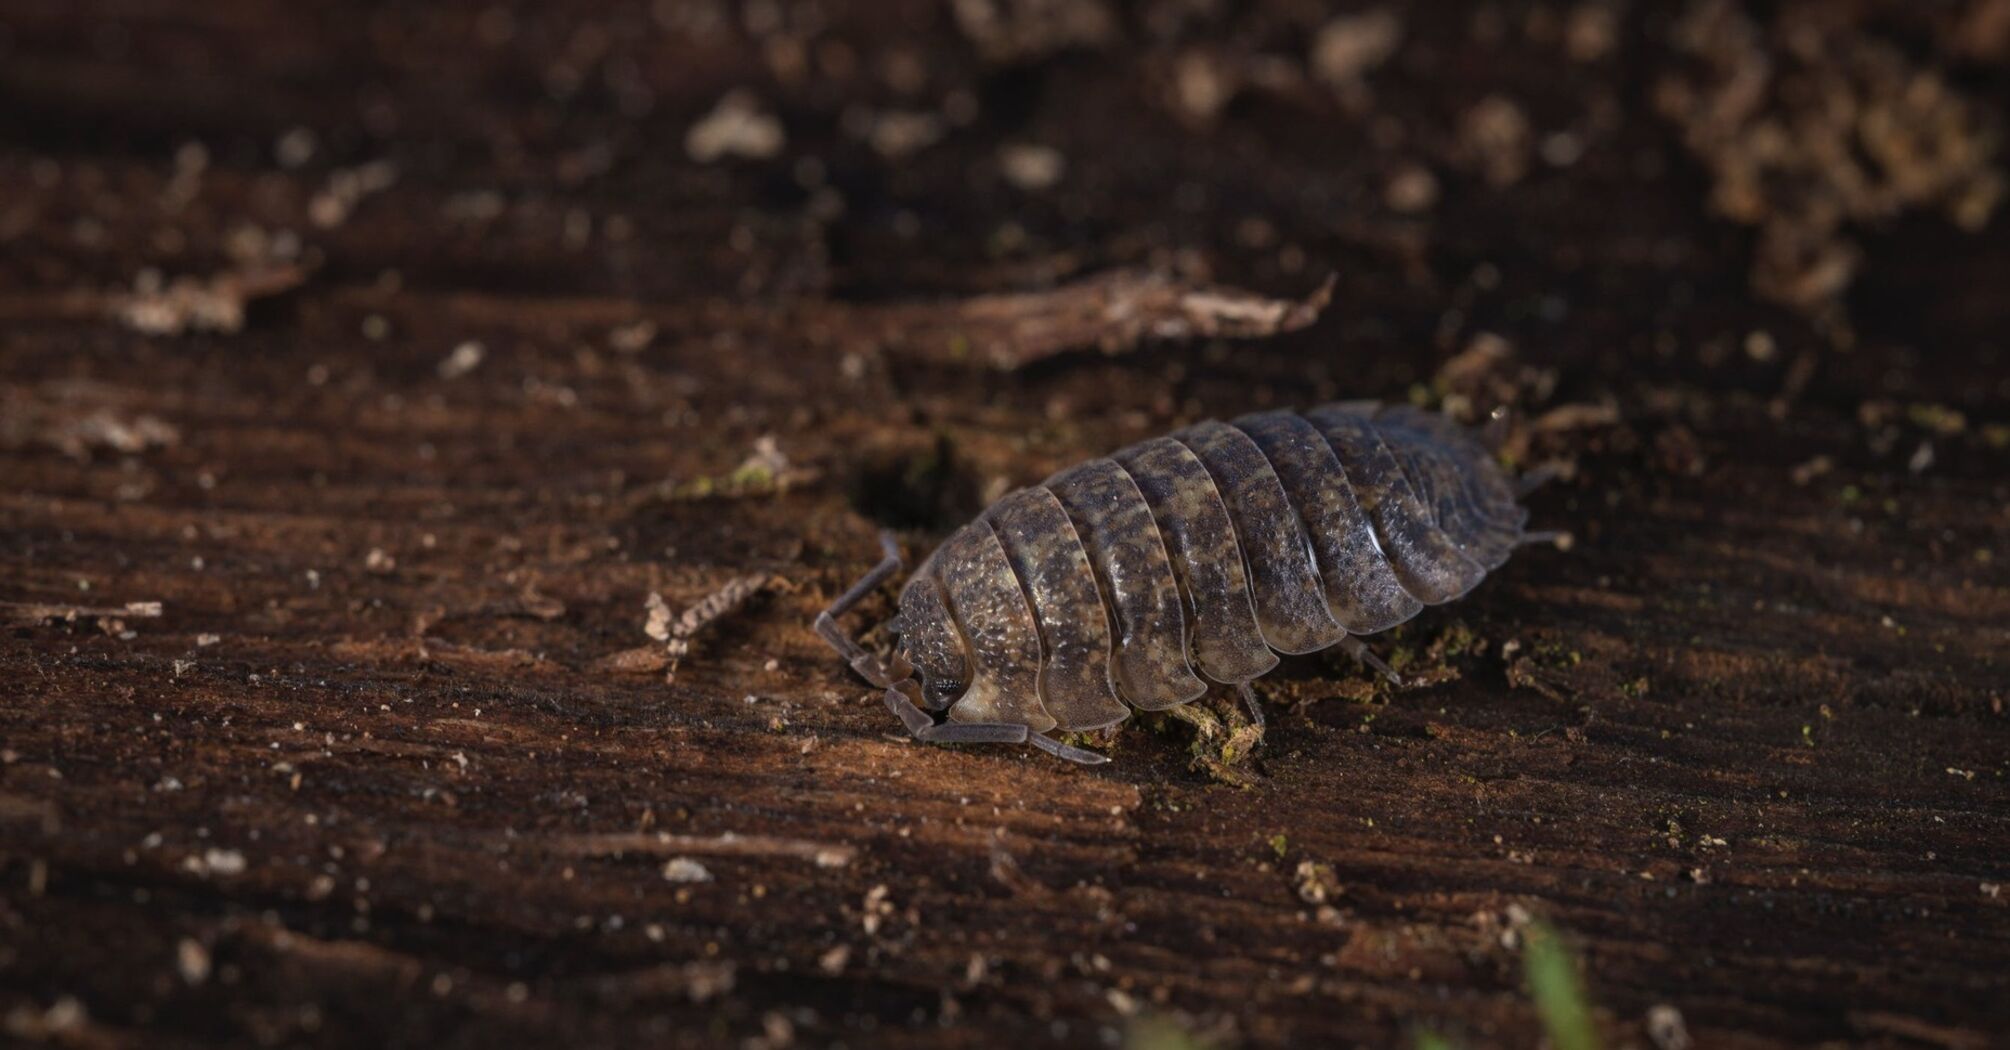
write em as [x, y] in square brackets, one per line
[1135, 580]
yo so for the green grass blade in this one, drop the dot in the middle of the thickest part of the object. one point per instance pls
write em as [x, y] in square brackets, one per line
[1551, 973]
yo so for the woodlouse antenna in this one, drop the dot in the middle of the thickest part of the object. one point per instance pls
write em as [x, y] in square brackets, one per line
[866, 664]
[1562, 538]
[1495, 433]
[1359, 650]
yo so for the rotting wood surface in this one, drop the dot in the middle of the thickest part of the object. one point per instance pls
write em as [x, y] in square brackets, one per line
[376, 775]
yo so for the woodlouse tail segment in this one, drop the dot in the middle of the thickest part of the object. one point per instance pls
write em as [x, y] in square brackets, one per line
[868, 666]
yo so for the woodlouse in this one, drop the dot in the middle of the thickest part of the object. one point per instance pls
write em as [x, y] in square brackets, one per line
[1132, 580]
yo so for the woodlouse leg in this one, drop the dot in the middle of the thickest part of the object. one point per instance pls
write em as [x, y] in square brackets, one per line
[1249, 700]
[1535, 479]
[1561, 537]
[1359, 650]
[975, 733]
[867, 665]
[1059, 750]
[927, 730]
[914, 718]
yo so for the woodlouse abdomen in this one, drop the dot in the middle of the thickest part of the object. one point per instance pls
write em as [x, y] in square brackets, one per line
[1134, 580]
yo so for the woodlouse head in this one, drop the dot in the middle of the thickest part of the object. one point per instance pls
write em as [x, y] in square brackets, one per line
[930, 643]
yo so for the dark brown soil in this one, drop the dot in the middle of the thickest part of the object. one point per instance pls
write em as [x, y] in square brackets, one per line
[401, 352]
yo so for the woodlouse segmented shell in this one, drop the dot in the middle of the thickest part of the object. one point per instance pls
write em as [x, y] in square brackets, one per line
[1108, 585]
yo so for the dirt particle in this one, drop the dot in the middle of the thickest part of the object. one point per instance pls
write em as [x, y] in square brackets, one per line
[295, 147]
[736, 128]
[1316, 883]
[657, 626]
[1591, 32]
[632, 338]
[1811, 124]
[346, 188]
[876, 909]
[684, 869]
[1411, 190]
[1352, 46]
[1031, 167]
[898, 134]
[65, 1015]
[192, 961]
[215, 862]
[218, 303]
[1012, 31]
[1202, 86]
[1494, 138]
[465, 358]
[1667, 1029]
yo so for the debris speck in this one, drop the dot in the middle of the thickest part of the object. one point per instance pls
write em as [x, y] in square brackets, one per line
[465, 358]
[65, 1015]
[737, 127]
[658, 624]
[189, 304]
[192, 961]
[1202, 86]
[632, 338]
[1411, 190]
[684, 869]
[1494, 137]
[896, 134]
[1666, 1027]
[1922, 458]
[1031, 167]
[26, 421]
[1351, 46]
[346, 188]
[1810, 125]
[296, 147]
[215, 862]
[1013, 31]
[1315, 882]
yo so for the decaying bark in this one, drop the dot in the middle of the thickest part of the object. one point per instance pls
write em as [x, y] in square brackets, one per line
[367, 764]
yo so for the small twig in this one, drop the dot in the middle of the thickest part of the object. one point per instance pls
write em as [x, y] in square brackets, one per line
[26, 614]
[215, 304]
[677, 634]
[729, 844]
[1113, 312]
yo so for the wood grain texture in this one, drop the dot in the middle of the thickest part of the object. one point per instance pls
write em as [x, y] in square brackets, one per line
[367, 778]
